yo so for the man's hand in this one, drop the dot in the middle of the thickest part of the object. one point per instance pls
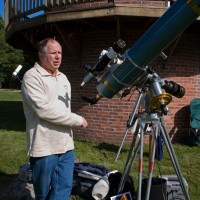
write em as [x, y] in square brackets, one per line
[85, 124]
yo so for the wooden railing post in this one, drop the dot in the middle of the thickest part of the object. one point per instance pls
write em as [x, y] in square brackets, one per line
[6, 13]
[46, 3]
[14, 7]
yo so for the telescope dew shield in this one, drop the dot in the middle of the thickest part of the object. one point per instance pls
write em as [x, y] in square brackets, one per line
[166, 29]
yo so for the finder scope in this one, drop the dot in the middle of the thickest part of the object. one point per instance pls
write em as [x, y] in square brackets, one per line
[105, 59]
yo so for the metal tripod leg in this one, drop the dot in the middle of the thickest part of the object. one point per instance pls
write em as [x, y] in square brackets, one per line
[151, 164]
[141, 128]
[144, 122]
[173, 158]
[140, 164]
[130, 123]
[160, 129]
[130, 159]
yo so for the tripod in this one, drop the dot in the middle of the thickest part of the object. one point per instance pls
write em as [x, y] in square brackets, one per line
[141, 123]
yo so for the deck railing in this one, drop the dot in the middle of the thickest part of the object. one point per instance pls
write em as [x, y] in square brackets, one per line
[21, 10]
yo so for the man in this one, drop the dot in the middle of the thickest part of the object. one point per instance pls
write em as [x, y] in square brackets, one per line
[46, 94]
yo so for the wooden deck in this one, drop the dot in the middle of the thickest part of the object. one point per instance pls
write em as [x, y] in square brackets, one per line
[23, 14]
[23, 18]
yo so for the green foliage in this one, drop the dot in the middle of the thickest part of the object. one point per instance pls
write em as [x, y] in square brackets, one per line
[10, 57]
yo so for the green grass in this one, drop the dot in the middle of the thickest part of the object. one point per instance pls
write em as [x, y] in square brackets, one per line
[12, 135]
[13, 150]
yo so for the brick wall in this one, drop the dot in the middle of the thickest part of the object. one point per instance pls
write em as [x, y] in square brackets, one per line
[107, 119]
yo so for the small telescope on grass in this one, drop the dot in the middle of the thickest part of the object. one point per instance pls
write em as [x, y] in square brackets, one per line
[16, 72]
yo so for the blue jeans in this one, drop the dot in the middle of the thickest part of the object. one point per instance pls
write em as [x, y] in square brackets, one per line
[53, 176]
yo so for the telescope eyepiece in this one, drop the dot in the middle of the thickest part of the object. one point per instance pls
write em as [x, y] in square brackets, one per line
[118, 47]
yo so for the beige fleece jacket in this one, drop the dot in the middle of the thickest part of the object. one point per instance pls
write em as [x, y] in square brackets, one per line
[46, 103]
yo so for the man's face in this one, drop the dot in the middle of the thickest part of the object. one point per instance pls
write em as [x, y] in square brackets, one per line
[52, 57]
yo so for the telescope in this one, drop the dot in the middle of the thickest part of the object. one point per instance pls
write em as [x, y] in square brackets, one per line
[131, 69]
[16, 72]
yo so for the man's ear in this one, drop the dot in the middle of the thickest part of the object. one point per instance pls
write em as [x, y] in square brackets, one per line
[40, 55]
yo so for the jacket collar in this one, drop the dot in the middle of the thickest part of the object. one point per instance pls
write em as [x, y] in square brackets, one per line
[43, 71]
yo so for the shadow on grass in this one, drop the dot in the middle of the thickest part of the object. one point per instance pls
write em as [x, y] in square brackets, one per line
[12, 116]
[6, 179]
[109, 147]
[115, 148]
[15, 189]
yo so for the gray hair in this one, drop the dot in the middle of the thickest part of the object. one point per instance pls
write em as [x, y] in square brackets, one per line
[42, 44]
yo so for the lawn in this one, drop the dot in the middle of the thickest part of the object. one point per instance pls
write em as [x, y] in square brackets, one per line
[13, 150]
